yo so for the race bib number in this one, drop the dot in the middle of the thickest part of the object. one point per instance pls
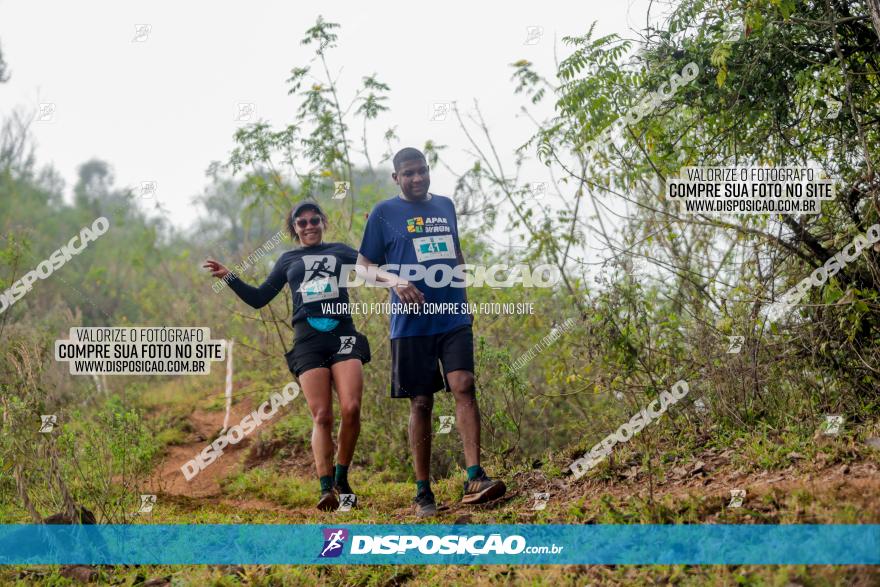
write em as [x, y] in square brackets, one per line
[429, 248]
[323, 288]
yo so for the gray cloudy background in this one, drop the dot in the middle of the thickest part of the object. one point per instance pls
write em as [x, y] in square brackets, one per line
[162, 109]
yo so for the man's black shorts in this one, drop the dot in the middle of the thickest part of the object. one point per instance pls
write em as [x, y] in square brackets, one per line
[313, 348]
[416, 361]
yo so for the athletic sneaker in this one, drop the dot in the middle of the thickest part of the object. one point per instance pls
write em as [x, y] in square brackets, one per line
[329, 500]
[483, 489]
[425, 505]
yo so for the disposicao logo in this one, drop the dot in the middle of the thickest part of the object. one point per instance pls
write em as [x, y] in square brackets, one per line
[334, 541]
[409, 544]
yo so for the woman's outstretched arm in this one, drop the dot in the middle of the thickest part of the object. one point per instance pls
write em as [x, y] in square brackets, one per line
[256, 297]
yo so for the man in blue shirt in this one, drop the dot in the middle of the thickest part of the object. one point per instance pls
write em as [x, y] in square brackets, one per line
[419, 230]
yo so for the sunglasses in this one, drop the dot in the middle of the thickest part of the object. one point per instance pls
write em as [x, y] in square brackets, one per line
[314, 221]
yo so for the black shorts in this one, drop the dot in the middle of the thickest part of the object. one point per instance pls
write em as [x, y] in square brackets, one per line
[313, 348]
[416, 361]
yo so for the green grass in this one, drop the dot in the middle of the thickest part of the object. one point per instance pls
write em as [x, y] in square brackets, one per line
[279, 495]
[537, 576]
[385, 501]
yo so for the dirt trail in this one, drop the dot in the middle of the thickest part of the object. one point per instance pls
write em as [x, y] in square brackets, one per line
[709, 473]
[168, 477]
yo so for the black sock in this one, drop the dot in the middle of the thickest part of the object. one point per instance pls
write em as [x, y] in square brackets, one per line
[342, 478]
[326, 483]
[423, 487]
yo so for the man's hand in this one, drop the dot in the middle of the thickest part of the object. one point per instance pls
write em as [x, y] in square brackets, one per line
[408, 293]
[216, 268]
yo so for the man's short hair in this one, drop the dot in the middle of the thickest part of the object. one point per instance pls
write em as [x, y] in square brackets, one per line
[407, 154]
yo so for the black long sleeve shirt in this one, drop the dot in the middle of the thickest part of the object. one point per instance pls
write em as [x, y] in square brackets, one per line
[313, 276]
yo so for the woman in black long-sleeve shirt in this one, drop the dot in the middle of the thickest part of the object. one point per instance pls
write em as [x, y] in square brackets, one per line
[327, 348]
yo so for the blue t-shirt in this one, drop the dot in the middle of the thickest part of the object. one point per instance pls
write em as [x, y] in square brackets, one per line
[400, 232]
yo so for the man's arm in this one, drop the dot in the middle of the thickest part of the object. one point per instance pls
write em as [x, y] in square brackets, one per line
[459, 254]
[460, 258]
[406, 291]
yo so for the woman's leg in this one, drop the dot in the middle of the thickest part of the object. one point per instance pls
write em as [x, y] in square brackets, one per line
[315, 384]
[348, 379]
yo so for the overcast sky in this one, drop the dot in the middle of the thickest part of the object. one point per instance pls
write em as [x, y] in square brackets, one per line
[161, 105]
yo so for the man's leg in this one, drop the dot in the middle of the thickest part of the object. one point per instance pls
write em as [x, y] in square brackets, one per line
[467, 414]
[420, 409]
[415, 375]
[457, 357]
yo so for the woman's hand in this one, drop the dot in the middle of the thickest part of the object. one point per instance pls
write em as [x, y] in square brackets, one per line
[408, 293]
[216, 268]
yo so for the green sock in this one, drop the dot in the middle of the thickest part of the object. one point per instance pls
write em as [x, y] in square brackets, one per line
[474, 472]
[423, 487]
[342, 476]
[326, 483]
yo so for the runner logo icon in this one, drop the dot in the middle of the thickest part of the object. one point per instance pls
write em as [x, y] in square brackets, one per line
[346, 344]
[334, 540]
[318, 266]
[48, 423]
[319, 281]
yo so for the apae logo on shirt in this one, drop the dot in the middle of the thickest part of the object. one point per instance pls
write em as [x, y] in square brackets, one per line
[429, 224]
[319, 281]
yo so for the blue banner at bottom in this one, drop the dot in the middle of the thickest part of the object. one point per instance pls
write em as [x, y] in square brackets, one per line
[518, 544]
